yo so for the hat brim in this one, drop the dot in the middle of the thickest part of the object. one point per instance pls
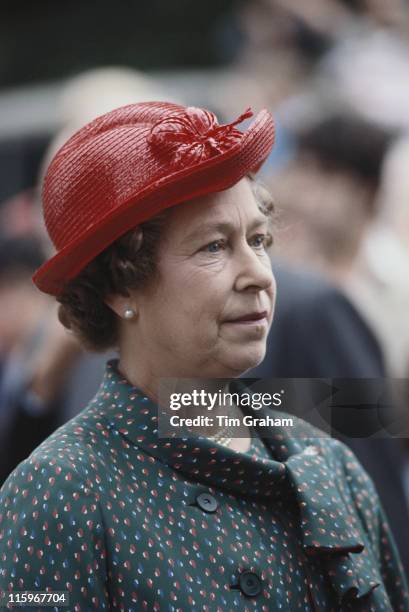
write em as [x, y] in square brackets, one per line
[215, 174]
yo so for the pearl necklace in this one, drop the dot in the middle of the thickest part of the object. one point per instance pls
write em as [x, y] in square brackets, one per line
[222, 436]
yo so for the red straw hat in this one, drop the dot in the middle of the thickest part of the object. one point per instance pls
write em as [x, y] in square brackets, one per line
[130, 164]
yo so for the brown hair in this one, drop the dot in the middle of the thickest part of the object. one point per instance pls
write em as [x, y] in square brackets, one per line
[124, 265]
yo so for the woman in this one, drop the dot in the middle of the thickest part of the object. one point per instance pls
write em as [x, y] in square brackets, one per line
[161, 252]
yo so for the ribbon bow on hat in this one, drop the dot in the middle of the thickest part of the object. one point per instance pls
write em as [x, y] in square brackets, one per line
[195, 135]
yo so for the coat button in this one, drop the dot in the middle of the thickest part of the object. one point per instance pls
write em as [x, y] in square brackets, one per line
[207, 502]
[249, 584]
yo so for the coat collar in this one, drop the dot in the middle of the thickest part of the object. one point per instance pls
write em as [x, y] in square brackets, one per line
[298, 470]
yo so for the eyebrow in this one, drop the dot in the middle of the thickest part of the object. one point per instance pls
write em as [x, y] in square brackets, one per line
[224, 227]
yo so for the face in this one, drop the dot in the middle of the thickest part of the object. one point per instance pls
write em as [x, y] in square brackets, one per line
[209, 311]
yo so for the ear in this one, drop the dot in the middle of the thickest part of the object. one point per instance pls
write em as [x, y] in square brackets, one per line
[120, 303]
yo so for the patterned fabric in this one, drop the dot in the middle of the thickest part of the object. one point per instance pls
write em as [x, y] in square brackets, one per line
[257, 446]
[126, 520]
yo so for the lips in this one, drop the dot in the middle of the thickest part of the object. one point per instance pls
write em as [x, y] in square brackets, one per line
[252, 316]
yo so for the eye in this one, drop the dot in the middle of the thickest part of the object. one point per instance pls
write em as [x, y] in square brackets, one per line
[260, 241]
[215, 246]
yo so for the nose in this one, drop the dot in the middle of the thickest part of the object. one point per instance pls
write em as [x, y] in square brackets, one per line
[254, 271]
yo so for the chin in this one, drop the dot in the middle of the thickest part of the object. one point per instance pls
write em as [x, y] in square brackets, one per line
[247, 361]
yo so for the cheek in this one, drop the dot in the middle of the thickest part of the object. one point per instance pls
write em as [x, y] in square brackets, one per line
[177, 314]
[201, 293]
[188, 304]
[273, 296]
[195, 323]
[273, 291]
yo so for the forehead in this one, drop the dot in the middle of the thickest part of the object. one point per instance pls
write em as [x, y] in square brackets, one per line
[235, 206]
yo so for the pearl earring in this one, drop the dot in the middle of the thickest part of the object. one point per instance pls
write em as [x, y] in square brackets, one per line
[129, 313]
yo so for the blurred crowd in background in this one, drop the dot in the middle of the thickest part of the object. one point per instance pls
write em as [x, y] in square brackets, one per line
[334, 73]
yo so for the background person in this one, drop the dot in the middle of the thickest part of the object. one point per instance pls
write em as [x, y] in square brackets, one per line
[33, 359]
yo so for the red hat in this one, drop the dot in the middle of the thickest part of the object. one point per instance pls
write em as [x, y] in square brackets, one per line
[130, 164]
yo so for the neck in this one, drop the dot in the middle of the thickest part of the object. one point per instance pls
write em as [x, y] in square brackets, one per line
[204, 397]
